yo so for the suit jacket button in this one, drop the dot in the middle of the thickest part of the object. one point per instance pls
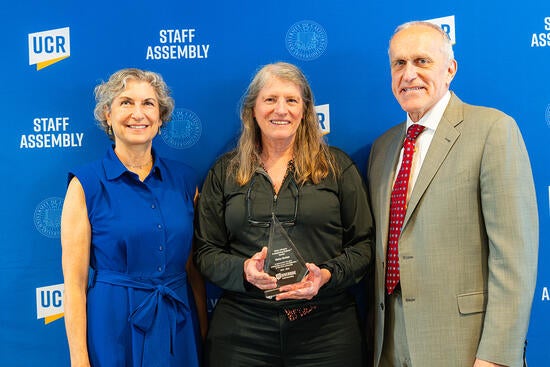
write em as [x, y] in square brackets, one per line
[382, 306]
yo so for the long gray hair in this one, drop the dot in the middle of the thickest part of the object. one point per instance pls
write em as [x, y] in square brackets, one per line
[312, 158]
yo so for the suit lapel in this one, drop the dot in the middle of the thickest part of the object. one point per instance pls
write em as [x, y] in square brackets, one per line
[444, 138]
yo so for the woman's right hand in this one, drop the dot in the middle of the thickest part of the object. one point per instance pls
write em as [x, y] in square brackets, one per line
[254, 271]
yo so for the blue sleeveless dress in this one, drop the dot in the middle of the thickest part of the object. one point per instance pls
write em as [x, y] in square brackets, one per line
[140, 308]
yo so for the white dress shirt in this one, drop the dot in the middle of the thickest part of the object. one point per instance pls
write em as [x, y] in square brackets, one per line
[430, 120]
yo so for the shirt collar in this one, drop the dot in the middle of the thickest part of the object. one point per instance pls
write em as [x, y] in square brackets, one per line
[433, 116]
[114, 167]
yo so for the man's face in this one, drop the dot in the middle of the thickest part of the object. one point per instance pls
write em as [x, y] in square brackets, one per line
[420, 69]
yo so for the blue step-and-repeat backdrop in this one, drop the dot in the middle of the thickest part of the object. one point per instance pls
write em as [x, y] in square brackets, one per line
[55, 52]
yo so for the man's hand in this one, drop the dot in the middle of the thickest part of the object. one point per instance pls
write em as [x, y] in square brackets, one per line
[482, 363]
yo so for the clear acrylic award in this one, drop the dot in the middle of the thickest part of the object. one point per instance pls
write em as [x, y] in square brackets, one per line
[283, 260]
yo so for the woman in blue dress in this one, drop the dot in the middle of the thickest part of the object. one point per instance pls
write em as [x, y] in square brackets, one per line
[131, 290]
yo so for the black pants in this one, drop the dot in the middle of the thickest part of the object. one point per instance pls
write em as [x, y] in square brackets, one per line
[251, 336]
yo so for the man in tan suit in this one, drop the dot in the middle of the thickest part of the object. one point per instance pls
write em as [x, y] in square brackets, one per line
[468, 244]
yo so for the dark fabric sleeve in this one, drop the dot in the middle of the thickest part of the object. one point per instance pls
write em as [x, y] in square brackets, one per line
[212, 254]
[358, 232]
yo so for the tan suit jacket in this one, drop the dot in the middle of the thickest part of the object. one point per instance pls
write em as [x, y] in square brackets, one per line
[468, 248]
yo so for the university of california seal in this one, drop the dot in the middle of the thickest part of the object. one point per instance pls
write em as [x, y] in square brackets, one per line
[47, 217]
[306, 40]
[183, 131]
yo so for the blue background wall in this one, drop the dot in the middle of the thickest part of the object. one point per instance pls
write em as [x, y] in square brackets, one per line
[502, 48]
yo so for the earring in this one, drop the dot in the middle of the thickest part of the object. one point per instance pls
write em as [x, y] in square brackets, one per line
[110, 130]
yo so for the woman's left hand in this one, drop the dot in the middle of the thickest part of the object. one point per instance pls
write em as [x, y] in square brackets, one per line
[308, 287]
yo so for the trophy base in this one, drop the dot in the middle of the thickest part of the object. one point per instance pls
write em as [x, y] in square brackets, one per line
[270, 293]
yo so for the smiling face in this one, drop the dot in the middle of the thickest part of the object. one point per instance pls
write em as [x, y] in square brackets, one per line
[134, 114]
[421, 70]
[278, 110]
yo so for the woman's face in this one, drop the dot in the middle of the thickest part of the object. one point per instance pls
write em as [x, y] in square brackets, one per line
[135, 114]
[278, 110]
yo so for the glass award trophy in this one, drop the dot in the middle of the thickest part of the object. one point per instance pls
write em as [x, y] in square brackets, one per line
[283, 260]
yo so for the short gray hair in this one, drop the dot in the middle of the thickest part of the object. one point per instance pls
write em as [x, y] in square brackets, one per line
[447, 42]
[106, 92]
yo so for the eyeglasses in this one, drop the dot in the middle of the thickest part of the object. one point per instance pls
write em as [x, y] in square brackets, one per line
[289, 222]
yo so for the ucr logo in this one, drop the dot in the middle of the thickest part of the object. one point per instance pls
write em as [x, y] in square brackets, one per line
[447, 24]
[323, 114]
[49, 303]
[48, 47]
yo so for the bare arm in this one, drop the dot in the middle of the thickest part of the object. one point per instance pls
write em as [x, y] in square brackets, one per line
[75, 243]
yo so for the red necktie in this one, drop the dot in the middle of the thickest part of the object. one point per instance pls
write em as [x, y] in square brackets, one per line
[398, 206]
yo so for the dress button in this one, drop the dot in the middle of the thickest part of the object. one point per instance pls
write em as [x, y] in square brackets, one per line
[153, 206]
[159, 268]
[159, 226]
[161, 248]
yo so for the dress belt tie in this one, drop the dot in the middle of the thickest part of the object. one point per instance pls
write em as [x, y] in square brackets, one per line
[143, 316]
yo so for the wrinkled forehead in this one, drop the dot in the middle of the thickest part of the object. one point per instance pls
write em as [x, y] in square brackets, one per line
[416, 42]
